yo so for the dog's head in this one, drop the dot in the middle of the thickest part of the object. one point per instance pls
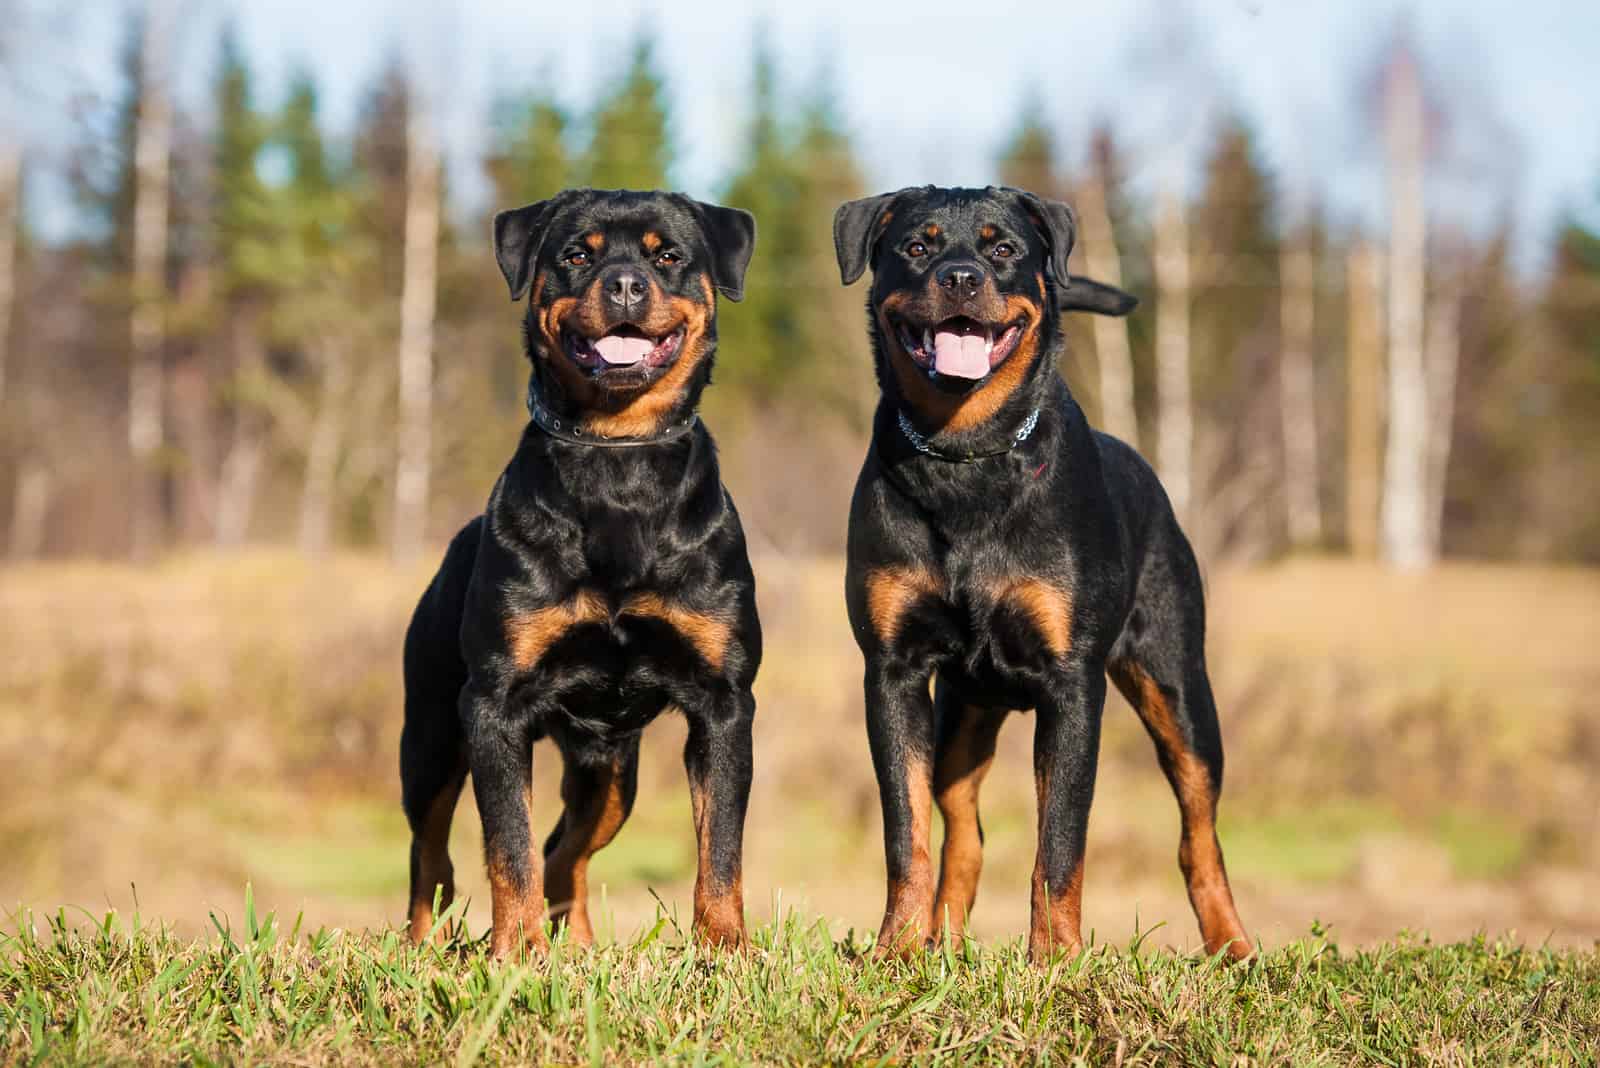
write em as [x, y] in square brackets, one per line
[968, 286]
[622, 289]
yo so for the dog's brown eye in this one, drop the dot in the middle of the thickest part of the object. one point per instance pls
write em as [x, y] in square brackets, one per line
[577, 258]
[1003, 251]
[667, 259]
[916, 248]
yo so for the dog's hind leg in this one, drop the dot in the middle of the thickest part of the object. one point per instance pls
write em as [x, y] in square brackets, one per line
[1159, 665]
[963, 750]
[433, 768]
[597, 801]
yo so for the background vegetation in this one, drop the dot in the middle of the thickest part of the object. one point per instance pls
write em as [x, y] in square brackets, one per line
[232, 438]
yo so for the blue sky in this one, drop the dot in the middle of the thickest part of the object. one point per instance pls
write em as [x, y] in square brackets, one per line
[931, 90]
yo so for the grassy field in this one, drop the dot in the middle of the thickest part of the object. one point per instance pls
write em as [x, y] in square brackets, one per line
[1403, 756]
[123, 992]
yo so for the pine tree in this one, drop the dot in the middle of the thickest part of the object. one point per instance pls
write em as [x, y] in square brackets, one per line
[1028, 161]
[529, 159]
[246, 248]
[630, 147]
[1235, 334]
[760, 334]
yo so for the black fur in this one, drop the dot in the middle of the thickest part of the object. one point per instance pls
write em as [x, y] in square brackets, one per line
[1074, 516]
[618, 567]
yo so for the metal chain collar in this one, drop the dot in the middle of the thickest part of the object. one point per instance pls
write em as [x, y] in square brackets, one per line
[920, 443]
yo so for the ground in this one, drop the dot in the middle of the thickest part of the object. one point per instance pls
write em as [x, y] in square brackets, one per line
[1408, 759]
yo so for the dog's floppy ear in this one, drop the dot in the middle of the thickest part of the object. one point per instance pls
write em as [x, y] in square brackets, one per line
[1085, 294]
[856, 226]
[1057, 225]
[731, 233]
[518, 235]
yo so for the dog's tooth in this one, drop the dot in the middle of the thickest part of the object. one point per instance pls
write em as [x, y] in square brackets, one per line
[927, 340]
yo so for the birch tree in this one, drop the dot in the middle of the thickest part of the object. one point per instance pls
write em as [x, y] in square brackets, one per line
[1405, 494]
[1175, 412]
[146, 324]
[1364, 405]
[1443, 358]
[417, 306]
[1118, 415]
[10, 198]
[1297, 387]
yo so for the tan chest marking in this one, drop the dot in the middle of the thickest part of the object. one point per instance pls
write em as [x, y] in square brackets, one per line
[528, 636]
[891, 591]
[1049, 607]
[531, 635]
[709, 634]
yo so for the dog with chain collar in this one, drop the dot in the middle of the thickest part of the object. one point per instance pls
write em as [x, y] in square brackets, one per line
[1010, 555]
[606, 581]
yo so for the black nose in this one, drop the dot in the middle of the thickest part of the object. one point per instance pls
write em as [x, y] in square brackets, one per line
[962, 278]
[626, 287]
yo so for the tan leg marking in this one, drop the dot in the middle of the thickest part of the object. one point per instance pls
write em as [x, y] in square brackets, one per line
[958, 774]
[908, 915]
[433, 861]
[591, 829]
[718, 904]
[518, 911]
[1199, 852]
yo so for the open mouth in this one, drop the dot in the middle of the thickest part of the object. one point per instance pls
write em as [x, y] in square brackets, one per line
[960, 347]
[623, 347]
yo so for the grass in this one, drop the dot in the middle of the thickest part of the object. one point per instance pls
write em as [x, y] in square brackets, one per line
[108, 991]
[1399, 758]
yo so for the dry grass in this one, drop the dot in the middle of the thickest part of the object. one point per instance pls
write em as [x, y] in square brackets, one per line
[1402, 754]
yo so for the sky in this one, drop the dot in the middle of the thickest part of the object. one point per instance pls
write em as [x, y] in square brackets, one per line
[930, 91]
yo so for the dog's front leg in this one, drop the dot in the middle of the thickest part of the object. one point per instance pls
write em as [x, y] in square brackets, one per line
[717, 757]
[900, 730]
[500, 753]
[1066, 744]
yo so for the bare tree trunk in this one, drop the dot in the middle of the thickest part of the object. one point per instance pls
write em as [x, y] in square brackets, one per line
[417, 302]
[1364, 416]
[1297, 390]
[192, 419]
[1405, 541]
[1443, 357]
[241, 467]
[30, 504]
[322, 456]
[1118, 416]
[1175, 431]
[10, 195]
[147, 327]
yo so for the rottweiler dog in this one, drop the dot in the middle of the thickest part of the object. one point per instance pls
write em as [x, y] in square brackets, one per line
[1005, 550]
[606, 580]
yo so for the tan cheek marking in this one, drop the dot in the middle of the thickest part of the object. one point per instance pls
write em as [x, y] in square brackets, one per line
[530, 635]
[1050, 609]
[962, 413]
[708, 634]
[891, 591]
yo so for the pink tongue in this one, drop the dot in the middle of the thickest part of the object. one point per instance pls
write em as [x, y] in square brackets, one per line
[962, 355]
[617, 349]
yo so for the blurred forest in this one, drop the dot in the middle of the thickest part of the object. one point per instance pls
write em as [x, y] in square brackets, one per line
[267, 333]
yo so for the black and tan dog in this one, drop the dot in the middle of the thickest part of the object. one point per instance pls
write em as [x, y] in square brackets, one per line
[607, 579]
[1001, 547]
